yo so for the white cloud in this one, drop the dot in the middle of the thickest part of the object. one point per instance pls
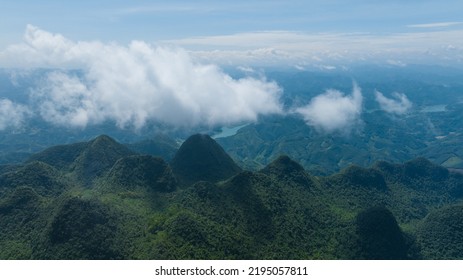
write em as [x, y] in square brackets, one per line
[399, 105]
[289, 48]
[333, 110]
[136, 84]
[435, 24]
[11, 114]
[271, 48]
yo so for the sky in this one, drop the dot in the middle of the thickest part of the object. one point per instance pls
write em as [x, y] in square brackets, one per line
[254, 31]
[124, 21]
[162, 61]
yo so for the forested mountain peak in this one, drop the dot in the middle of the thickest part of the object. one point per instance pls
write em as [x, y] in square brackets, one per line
[200, 158]
[98, 199]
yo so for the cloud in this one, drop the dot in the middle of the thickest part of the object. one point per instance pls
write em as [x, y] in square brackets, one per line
[333, 110]
[11, 114]
[135, 84]
[435, 24]
[399, 105]
[421, 46]
[270, 48]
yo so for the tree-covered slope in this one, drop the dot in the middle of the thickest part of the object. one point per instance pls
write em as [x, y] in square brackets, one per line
[142, 171]
[441, 234]
[99, 200]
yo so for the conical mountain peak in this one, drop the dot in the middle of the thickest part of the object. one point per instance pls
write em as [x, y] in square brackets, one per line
[283, 165]
[200, 158]
[287, 169]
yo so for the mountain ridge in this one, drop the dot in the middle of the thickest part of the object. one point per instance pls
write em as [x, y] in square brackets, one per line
[134, 207]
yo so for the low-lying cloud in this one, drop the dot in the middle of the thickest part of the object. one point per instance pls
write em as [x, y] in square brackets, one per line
[333, 110]
[132, 85]
[11, 114]
[398, 105]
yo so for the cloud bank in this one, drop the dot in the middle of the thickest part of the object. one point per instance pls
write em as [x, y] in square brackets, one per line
[11, 114]
[132, 85]
[333, 110]
[399, 105]
[423, 46]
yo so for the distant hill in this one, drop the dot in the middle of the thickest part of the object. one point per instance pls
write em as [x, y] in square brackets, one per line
[380, 137]
[160, 146]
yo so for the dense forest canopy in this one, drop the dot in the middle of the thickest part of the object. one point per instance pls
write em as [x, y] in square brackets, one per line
[101, 200]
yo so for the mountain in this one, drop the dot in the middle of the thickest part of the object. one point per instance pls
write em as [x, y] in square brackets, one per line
[100, 200]
[200, 158]
[441, 234]
[160, 146]
[99, 156]
[61, 157]
[144, 171]
[362, 177]
[286, 170]
[86, 160]
[40, 176]
[23, 218]
[427, 130]
[82, 229]
[380, 237]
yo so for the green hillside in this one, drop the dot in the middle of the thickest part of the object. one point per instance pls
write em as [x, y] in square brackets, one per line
[100, 200]
[441, 234]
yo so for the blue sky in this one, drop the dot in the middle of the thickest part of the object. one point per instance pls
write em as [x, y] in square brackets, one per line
[308, 31]
[123, 21]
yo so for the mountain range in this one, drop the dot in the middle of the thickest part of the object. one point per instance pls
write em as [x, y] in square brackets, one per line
[103, 200]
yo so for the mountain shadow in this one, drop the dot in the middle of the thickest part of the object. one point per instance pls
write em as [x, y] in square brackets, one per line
[380, 237]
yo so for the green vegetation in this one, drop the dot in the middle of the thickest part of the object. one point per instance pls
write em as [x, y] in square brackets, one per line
[100, 200]
[82, 229]
[441, 234]
[381, 137]
[142, 171]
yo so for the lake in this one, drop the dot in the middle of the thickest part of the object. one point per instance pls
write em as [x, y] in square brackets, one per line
[228, 131]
